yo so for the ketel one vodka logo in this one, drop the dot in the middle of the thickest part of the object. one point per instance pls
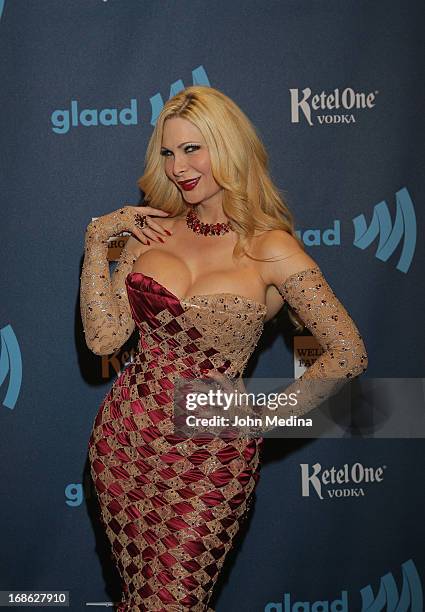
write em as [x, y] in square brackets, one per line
[10, 366]
[336, 107]
[338, 482]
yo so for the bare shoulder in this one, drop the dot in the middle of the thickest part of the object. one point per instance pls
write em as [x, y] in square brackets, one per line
[280, 255]
[275, 243]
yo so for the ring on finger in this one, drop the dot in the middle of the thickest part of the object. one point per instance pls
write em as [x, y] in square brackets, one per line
[140, 220]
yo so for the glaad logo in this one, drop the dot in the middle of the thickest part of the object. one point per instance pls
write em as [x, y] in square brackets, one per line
[328, 237]
[76, 492]
[388, 598]
[10, 363]
[356, 474]
[199, 77]
[335, 605]
[390, 235]
[345, 100]
[62, 120]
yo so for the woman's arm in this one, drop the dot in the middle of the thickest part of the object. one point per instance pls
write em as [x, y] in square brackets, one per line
[105, 311]
[302, 284]
[313, 300]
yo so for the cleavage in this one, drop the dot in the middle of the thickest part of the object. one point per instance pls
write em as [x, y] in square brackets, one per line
[166, 268]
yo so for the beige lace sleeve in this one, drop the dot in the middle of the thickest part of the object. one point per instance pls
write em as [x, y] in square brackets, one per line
[344, 357]
[312, 299]
[105, 311]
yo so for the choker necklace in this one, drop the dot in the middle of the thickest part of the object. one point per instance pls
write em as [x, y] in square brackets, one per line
[206, 229]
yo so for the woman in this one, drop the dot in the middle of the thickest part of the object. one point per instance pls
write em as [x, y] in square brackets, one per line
[226, 259]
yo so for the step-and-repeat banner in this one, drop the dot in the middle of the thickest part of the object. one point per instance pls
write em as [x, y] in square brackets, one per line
[336, 91]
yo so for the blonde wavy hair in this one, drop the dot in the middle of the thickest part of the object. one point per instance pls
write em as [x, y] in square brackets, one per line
[239, 164]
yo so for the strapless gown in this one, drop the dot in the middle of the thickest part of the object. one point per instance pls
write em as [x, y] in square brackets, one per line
[172, 506]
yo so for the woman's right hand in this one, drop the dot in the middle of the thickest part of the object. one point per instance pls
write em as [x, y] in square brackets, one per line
[125, 220]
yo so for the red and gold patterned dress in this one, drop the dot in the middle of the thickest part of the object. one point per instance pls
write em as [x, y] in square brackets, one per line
[172, 506]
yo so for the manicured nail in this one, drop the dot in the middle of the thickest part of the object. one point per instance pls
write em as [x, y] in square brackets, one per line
[159, 238]
[149, 241]
[169, 233]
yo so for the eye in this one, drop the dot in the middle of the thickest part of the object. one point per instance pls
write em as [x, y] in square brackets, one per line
[188, 149]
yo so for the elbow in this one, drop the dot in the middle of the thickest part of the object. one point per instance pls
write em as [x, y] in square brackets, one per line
[347, 358]
[362, 357]
[360, 366]
[358, 361]
[365, 362]
[99, 350]
[101, 347]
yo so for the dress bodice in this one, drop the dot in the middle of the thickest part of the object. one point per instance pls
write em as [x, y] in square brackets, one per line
[196, 334]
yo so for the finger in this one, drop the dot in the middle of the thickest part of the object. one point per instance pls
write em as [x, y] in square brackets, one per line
[149, 233]
[138, 233]
[150, 210]
[155, 226]
[195, 387]
[200, 387]
[218, 375]
[151, 228]
[221, 379]
[140, 227]
[217, 380]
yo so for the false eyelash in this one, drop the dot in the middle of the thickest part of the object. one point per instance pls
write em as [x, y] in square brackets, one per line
[195, 147]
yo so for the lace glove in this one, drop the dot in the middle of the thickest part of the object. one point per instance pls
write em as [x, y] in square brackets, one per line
[344, 357]
[105, 311]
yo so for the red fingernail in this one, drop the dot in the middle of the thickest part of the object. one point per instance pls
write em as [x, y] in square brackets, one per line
[159, 238]
[149, 241]
[169, 233]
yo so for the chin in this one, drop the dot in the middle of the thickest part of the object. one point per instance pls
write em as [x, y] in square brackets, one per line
[192, 202]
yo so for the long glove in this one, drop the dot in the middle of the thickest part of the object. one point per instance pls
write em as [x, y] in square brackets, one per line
[105, 311]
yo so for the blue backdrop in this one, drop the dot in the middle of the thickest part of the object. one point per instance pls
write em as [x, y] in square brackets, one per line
[336, 91]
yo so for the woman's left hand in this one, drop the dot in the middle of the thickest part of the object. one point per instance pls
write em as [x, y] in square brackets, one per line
[226, 383]
[213, 381]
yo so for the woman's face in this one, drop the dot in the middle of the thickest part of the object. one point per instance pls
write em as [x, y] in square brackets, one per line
[187, 157]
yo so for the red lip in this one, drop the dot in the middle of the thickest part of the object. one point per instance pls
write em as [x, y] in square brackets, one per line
[189, 184]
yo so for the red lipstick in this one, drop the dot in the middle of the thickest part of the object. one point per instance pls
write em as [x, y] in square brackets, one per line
[189, 184]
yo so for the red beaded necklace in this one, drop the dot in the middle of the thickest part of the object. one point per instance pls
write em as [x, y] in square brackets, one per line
[206, 229]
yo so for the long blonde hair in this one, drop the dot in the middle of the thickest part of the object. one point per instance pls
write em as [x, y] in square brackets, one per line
[239, 164]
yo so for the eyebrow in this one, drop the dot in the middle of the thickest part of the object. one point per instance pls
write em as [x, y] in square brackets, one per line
[183, 143]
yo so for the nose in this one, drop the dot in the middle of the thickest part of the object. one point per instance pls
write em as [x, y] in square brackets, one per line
[179, 165]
